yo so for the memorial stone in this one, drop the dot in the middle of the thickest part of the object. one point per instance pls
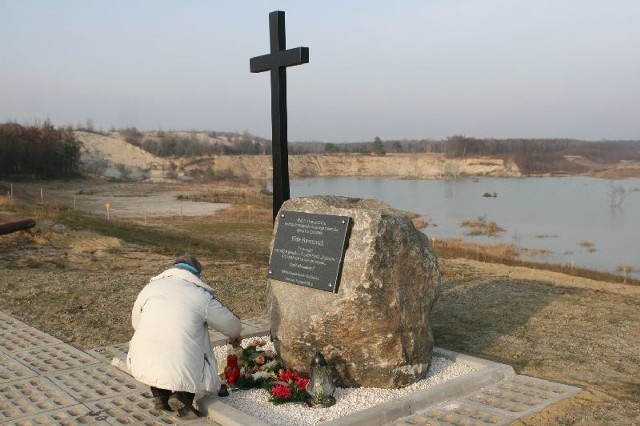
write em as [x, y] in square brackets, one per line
[375, 330]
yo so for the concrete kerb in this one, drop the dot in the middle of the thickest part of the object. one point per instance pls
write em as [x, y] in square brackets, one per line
[487, 373]
[225, 414]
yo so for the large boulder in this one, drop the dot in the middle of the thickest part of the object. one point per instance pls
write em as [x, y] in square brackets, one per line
[375, 331]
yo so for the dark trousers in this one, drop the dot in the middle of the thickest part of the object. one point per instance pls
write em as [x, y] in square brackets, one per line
[185, 397]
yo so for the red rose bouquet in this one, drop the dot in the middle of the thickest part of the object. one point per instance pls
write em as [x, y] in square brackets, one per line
[289, 387]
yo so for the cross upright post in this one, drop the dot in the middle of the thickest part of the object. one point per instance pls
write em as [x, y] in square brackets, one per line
[276, 62]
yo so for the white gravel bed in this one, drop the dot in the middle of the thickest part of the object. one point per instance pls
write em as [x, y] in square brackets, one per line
[255, 402]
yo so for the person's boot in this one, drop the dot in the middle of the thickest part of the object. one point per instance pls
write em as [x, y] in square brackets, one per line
[189, 412]
[162, 403]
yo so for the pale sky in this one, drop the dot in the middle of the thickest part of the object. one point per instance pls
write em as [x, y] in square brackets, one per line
[393, 69]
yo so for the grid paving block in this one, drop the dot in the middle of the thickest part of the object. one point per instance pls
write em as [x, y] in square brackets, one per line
[456, 413]
[10, 369]
[70, 416]
[522, 395]
[107, 353]
[93, 382]
[49, 359]
[16, 336]
[25, 397]
[7, 322]
[251, 327]
[135, 409]
[256, 325]
[536, 385]
[216, 338]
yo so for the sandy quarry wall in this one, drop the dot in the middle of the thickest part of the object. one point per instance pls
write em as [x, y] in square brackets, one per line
[409, 166]
[111, 156]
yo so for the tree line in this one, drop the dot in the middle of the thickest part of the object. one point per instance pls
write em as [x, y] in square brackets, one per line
[169, 144]
[535, 156]
[38, 151]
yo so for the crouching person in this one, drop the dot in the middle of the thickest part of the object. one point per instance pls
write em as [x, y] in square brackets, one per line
[170, 349]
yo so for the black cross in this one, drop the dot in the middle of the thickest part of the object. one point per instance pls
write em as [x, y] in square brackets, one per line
[276, 62]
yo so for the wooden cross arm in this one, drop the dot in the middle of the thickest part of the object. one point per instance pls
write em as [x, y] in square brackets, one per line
[283, 58]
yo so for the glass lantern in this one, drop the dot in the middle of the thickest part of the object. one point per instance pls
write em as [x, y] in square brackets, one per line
[232, 371]
[320, 385]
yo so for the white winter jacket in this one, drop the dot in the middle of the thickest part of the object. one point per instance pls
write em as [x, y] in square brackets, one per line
[170, 348]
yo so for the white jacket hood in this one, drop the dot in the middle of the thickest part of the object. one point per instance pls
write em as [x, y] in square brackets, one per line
[183, 274]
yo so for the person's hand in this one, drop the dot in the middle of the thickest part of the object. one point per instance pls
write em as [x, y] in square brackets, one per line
[235, 342]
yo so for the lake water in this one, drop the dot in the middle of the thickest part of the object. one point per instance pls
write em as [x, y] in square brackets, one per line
[571, 217]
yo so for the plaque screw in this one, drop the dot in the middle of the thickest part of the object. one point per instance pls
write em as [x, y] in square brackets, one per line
[270, 272]
[344, 221]
[282, 215]
[330, 284]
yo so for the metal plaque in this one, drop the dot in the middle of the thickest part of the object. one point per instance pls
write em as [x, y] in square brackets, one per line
[308, 249]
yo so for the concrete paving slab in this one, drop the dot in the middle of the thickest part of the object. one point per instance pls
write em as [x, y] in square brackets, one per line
[251, 327]
[455, 413]
[497, 404]
[75, 415]
[136, 409]
[16, 335]
[7, 322]
[11, 369]
[94, 382]
[108, 353]
[35, 395]
[52, 358]
[522, 395]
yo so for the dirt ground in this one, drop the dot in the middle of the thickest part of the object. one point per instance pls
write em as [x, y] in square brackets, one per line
[79, 286]
[552, 326]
